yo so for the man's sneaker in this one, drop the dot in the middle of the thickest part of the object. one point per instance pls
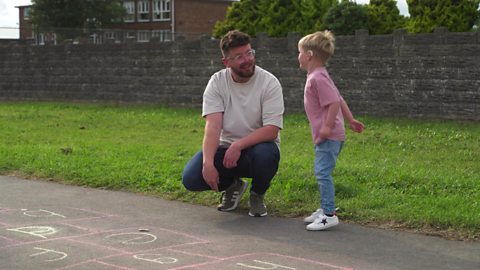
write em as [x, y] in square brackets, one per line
[257, 207]
[313, 216]
[322, 223]
[232, 195]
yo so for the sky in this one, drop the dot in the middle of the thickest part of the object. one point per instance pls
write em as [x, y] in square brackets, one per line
[9, 15]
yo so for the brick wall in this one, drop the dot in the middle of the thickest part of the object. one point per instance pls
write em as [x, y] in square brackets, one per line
[433, 75]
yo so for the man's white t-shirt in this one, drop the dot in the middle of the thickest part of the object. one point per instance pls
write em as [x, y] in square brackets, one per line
[245, 106]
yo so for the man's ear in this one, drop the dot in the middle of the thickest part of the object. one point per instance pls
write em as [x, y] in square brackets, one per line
[225, 62]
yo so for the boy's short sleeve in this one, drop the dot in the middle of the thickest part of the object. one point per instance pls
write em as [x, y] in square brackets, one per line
[326, 90]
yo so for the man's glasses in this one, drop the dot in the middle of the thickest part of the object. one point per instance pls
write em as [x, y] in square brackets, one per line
[248, 55]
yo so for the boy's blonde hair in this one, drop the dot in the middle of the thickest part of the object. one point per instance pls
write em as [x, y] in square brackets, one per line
[320, 44]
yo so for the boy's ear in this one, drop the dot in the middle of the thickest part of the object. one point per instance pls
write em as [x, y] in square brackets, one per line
[310, 52]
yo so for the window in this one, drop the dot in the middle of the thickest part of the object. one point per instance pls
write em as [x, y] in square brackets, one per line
[143, 36]
[26, 13]
[161, 10]
[40, 40]
[164, 35]
[114, 37]
[143, 11]
[130, 7]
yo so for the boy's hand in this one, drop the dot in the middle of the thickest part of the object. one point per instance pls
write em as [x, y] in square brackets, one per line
[356, 126]
[325, 132]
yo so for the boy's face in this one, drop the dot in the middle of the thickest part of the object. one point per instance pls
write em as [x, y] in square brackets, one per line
[303, 58]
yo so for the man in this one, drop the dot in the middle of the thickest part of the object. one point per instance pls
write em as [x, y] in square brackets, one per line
[243, 109]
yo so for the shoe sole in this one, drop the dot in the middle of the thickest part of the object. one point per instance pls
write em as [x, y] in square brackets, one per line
[237, 201]
[322, 228]
[257, 214]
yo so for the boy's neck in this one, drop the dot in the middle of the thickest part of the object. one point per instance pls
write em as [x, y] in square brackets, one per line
[314, 64]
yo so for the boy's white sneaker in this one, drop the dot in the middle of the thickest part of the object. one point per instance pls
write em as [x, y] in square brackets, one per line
[322, 223]
[313, 216]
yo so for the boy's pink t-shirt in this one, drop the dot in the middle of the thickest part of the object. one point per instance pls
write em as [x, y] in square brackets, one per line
[320, 91]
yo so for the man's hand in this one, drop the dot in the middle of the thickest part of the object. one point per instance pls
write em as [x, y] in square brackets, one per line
[210, 174]
[231, 156]
[356, 126]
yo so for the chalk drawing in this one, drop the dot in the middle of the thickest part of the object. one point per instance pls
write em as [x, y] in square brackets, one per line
[156, 258]
[269, 265]
[137, 238]
[62, 255]
[41, 213]
[39, 231]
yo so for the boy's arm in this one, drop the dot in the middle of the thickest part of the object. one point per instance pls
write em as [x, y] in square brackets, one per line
[355, 125]
[332, 112]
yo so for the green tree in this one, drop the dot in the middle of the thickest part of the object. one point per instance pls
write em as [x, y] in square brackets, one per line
[312, 13]
[280, 17]
[346, 17]
[243, 15]
[384, 17]
[457, 16]
[275, 17]
[69, 18]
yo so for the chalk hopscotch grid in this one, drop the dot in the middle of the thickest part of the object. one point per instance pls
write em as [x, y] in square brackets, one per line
[64, 222]
[120, 252]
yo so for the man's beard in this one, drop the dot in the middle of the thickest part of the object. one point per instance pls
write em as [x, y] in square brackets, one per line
[244, 73]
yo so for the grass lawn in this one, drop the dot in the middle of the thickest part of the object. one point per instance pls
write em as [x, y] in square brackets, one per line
[419, 175]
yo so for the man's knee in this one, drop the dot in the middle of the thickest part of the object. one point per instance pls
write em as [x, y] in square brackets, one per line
[192, 174]
[266, 153]
[187, 181]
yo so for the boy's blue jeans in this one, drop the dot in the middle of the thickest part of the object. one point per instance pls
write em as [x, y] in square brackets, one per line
[326, 154]
[259, 162]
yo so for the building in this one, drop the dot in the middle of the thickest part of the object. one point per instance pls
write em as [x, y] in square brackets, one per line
[147, 19]
[26, 29]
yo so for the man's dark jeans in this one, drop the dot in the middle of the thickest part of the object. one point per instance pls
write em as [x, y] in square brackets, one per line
[259, 162]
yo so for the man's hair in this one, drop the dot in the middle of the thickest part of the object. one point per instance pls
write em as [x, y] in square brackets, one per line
[321, 44]
[233, 39]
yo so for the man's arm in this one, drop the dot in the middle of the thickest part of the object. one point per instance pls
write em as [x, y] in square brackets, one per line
[263, 134]
[211, 140]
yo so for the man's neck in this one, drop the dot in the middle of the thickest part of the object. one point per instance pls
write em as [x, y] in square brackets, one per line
[239, 79]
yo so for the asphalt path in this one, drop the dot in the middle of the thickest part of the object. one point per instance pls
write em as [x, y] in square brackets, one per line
[46, 225]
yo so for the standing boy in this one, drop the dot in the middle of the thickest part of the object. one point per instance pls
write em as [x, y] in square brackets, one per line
[325, 109]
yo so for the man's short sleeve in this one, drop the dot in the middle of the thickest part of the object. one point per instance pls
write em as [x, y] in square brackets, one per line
[212, 99]
[273, 107]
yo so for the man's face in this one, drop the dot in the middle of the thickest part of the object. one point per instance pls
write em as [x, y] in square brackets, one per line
[241, 60]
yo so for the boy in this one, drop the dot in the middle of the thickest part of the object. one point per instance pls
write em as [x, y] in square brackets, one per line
[325, 109]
